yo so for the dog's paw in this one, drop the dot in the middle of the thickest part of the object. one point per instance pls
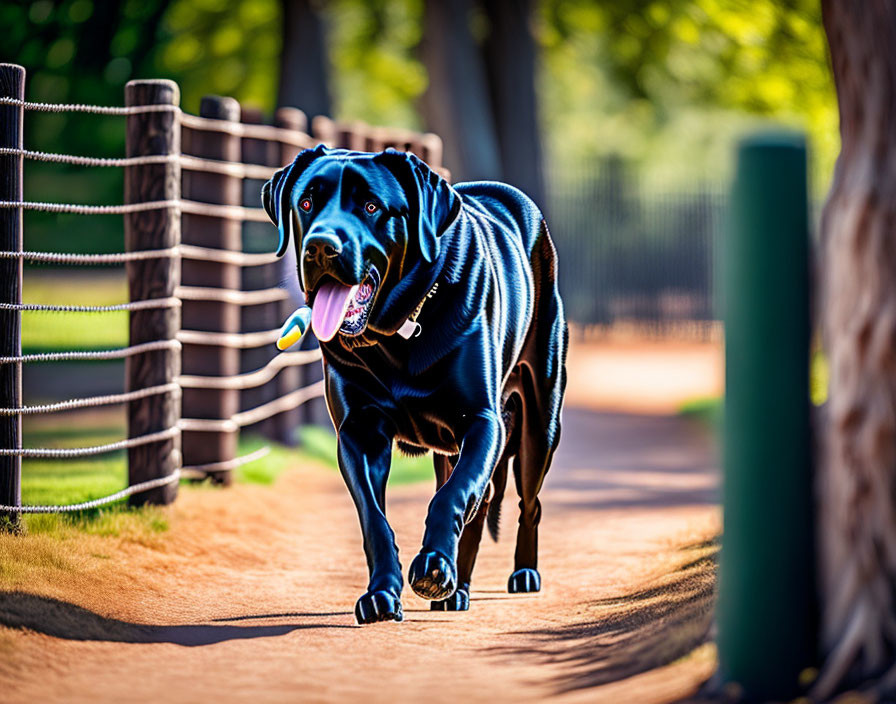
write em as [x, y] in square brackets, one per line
[459, 601]
[378, 606]
[524, 581]
[432, 576]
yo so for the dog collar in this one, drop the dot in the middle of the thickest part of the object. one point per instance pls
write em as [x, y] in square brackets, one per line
[410, 327]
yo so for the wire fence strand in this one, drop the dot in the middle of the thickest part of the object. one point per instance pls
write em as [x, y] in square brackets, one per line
[78, 209]
[121, 353]
[96, 503]
[74, 160]
[92, 401]
[94, 109]
[240, 340]
[228, 465]
[200, 471]
[239, 420]
[186, 251]
[228, 212]
[280, 405]
[92, 259]
[251, 379]
[226, 256]
[193, 122]
[235, 296]
[190, 163]
[240, 129]
[67, 452]
[148, 304]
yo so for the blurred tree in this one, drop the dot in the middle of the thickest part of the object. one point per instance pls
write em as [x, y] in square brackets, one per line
[481, 96]
[456, 103]
[509, 51]
[672, 81]
[303, 59]
[376, 76]
[858, 471]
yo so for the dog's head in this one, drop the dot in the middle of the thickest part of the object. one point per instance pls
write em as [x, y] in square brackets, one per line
[362, 224]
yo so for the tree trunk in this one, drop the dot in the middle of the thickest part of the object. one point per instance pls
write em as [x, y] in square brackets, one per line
[509, 52]
[456, 104]
[858, 469]
[303, 59]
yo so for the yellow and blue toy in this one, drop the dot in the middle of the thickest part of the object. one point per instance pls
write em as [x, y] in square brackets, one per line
[294, 327]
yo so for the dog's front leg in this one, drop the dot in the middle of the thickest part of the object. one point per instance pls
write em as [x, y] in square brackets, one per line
[364, 451]
[433, 573]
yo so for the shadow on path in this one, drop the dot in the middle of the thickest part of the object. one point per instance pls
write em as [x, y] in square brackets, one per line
[288, 614]
[61, 619]
[628, 635]
[615, 460]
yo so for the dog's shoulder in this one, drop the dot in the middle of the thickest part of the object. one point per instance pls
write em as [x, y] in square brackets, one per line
[512, 209]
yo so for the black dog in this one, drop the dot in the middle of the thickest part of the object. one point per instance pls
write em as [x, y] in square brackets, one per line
[442, 329]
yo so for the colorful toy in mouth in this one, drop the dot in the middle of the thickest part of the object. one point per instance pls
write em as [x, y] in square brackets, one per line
[294, 327]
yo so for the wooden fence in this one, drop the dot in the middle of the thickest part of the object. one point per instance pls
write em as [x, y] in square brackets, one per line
[201, 364]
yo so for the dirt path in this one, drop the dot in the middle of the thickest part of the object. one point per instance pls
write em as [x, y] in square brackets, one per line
[643, 376]
[249, 595]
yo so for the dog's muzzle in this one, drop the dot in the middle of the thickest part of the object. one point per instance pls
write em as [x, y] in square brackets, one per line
[320, 249]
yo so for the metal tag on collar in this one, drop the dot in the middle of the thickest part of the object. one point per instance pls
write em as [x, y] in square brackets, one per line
[409, 329]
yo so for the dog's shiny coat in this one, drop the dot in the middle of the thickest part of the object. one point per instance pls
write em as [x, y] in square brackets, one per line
[482, 382]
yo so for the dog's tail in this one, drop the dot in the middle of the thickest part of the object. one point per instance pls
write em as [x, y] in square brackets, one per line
[499, 482]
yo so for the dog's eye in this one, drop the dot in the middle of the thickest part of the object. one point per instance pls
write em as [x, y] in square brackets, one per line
[370, 208]
[305, 204]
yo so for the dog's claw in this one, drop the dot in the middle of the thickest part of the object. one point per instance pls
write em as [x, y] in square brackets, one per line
[378, 606]
[524, 581]
[459, 601]
[432, 576]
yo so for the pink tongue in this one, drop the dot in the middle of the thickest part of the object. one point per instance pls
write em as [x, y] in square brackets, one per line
[330, 305]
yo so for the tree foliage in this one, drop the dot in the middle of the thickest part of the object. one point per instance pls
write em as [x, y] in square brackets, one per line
[665, 82]
[672, 81]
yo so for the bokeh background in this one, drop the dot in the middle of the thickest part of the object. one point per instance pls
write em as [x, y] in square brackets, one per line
[618, 117]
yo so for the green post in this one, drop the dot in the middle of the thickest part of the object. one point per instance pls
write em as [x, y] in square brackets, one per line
[767, 610]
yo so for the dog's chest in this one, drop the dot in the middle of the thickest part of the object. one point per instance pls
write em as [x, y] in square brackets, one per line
[428, 409]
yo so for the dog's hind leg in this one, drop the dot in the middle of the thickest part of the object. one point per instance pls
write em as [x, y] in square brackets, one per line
[535, 452]
[543, 381]
[443, 464]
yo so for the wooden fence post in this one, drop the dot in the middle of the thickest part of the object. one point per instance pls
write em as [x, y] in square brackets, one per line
[153, 133]
[323, 129]
[12, 85]
[431, 149]
[201, 446]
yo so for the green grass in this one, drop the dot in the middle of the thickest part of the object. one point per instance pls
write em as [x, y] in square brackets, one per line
[707, 411]
[71, 481]
[267, 469]
[109, 521]
[47, 331]
[55, 482]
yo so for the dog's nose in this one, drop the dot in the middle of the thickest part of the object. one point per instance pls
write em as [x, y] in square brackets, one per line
[321, 247]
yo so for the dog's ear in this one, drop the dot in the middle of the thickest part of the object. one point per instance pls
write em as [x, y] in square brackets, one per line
[434, 203]
[276, 193]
